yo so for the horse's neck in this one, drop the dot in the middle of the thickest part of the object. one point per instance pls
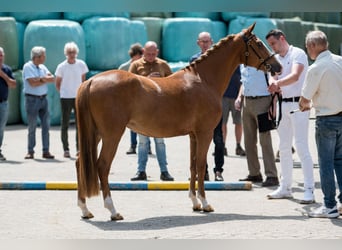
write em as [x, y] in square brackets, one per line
[218, 67]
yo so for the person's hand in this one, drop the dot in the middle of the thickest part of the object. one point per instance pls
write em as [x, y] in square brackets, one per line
[237, 103]
[154, 74]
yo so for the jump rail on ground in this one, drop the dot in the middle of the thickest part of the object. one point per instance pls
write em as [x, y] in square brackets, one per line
[139, 185]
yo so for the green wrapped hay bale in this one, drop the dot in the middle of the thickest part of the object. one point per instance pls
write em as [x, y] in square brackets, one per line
[180, 37]
[334, 34]
[81, 16]
[108, 40]
[154, 27]
[151, 14]
[175, 66]
[211, 15]
[53, 102]
[219, 30]
[26, 17]
[9, 41]
[14, 116]
[228, 16]
[53, 34]
[262, 27]
[21, 31]
[92, 73]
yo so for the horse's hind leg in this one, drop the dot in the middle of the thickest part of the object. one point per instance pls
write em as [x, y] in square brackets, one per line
[109, 147]
[81, 201]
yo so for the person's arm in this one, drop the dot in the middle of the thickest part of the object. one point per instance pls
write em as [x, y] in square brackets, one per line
[58, 83]
[11, 83]
[239, 99]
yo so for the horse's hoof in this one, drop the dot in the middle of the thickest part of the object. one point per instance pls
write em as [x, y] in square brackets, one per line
[208, 209]
[197, 208]
[116, 217]
[88, 216]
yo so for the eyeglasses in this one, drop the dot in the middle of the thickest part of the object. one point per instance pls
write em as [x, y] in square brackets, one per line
[205, 41]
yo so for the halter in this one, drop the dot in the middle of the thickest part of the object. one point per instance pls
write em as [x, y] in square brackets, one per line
[248, 43]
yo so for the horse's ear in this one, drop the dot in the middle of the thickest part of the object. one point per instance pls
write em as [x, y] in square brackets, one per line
[250, 28]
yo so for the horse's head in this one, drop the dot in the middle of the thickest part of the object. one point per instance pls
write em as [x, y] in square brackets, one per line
[261, 57]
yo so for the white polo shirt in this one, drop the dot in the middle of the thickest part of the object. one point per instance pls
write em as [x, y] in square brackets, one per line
[293, 56]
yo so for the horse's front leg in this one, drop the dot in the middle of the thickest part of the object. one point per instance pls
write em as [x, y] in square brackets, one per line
[203, 143]
[81, 200]
[196, 206]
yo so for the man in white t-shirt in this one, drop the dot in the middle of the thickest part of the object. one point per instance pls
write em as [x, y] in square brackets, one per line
[292, 125]
[69, 75]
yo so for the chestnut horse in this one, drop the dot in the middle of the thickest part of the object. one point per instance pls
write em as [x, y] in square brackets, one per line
[186, 102]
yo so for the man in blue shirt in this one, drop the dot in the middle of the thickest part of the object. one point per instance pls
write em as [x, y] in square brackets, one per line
[6, 81]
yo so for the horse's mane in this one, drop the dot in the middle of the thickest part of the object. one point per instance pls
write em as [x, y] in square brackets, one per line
[211, 50]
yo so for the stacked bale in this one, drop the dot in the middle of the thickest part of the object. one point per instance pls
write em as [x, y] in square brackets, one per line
[263, 26]
[334, 34]
[81, 16]
[27, 17]
[215, 16]
[180, 36]
[228, 16]
[108, 40]
[9, 41]
[293, 30]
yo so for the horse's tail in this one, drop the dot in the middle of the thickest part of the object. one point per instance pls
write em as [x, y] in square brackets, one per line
[88, 183]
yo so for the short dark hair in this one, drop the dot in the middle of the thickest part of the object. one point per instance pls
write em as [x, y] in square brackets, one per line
[135, 49]
[277, 33]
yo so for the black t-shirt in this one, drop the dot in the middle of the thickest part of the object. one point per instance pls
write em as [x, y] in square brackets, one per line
[3, 85]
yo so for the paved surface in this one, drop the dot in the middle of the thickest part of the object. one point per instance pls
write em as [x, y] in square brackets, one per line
[150, 214]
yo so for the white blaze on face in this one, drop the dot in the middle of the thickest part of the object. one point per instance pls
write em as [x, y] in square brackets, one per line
[190, 79]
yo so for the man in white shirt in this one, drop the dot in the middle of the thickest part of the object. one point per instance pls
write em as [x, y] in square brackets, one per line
[69, 75]
[292, 125]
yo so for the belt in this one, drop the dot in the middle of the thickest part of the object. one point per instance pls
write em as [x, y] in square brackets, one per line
[291, 99]
[3, 100]
[256, 97]
[36, 96]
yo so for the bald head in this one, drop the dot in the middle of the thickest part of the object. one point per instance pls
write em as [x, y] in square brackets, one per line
[204, 41]
[150, 51]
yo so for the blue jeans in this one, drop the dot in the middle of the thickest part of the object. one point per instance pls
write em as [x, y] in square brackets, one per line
[3, 120]
[37, 107]
[143, 148]
[133, 139]
[329, 147]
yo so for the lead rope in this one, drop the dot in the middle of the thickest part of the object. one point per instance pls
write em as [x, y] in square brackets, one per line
[272, 112]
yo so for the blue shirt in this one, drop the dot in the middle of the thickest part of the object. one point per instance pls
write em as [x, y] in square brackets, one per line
[3, 84]
[30, 70]
[234, 85]
[253, 82]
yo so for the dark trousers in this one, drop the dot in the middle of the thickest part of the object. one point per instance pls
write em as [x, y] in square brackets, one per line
[219, 149]
[67, 105]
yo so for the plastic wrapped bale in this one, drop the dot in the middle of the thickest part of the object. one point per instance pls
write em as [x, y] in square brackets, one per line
[21, 31]
[154, 27]
[81, 16]
[53, 34]
[262, 27]
[180, 37]
[9, 41]
[175, 66]
[53, 102]
[14, 116]
[27, 17]
[151, 14]
[108, 40]
[334, 35]
[228, 16]
[211, 15]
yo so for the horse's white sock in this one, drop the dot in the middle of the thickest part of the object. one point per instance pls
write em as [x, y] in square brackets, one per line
[108, 203]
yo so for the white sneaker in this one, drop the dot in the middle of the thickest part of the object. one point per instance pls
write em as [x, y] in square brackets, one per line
[280, 193]
[308, 196]
[324, 212]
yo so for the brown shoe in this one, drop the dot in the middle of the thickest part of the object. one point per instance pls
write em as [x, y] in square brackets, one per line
[47, 155]
[66, 154]
[270, 181]
[29, 156]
